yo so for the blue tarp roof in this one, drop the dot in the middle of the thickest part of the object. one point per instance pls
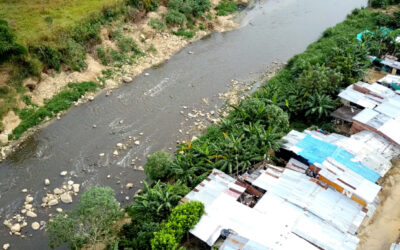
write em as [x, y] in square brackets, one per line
[316, 151]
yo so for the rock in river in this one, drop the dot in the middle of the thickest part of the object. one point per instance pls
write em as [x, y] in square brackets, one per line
[66, 198]
[35, 225]
[31, 214]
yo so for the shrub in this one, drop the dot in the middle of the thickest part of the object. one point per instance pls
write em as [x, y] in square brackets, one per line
[48, 55]
[91, 220]
[138, 234]
[185, 33]
[158, 166]
[148, 5]
[226, 7]
[8, 46]
[87, 32]
[74, 55]
[102, 55]
[199, 7]
[157, 24]
[183, 218]
[174, 17]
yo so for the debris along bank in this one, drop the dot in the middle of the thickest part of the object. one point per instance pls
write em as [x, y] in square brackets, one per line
[319, 200]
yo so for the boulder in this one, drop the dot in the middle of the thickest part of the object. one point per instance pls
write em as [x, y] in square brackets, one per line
[76, 188]
[63, 173]
[24, 190]
[28, 206]
[46, 182]
[116, 153]
[127, 79]
[6, 246]
[59, 209]
[53, 202]
[58, 191]
[129, 185]
[16, 228]
[31, 214]
[70, 183]
[35, 225]
[66, 198]
[28, 199]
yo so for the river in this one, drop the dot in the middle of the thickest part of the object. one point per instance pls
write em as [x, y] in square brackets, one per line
[274, 30]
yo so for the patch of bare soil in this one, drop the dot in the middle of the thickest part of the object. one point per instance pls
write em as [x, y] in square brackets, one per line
[10, 121]
[372, 75]
[380, 231]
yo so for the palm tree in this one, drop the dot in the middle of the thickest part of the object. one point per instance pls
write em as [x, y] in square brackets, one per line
[319, 106]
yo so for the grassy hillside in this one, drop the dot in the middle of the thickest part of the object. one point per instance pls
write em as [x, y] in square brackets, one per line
[34, 20]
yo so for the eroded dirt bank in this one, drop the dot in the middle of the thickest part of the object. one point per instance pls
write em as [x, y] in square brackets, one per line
[380, 231]
[158, 45]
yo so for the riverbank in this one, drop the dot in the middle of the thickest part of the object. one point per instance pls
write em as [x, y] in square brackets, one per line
[158, 45]
[73, 144]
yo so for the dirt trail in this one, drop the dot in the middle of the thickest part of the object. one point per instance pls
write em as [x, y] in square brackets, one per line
[380, 231]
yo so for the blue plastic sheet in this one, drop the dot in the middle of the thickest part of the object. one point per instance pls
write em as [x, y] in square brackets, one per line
[316, 151]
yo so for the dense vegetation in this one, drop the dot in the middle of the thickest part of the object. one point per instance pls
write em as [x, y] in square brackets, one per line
[306, 87]
[89, 222]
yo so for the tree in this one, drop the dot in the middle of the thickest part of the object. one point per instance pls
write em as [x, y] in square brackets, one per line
[155, 203]
[8, 46]
[183, 218]
[319, 106]
[158, 166]
[89, 222]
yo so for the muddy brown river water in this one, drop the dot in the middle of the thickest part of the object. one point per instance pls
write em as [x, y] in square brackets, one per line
[274, 30]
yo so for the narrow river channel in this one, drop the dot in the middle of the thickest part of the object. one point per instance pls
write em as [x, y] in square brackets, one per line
[273, 31]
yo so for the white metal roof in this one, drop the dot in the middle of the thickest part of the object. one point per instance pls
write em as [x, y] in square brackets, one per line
[303, 191]
[349, 180]
[365, 115]
[371, 149]
[392, 130]
[272, 222]
[390, 79]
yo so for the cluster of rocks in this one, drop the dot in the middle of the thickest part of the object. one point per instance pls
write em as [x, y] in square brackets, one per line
[19, 221]
[123, 146]
[62, 194]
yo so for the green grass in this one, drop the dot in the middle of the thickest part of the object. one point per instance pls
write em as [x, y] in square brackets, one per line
[225, 7]
[33, 116]
[34, 20]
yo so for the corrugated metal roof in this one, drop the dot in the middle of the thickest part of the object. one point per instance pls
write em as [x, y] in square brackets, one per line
[235, 242]
[365, 115]
[351, 95]
[272, 216]
[371, 149]
[390, 79]
[316, 151]
[303, 191]
[352, 183]
[391, 63]
[392, 130]
[395, 246]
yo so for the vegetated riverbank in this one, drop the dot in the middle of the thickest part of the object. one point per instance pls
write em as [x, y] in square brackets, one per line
[126, 49]
[306, 87]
